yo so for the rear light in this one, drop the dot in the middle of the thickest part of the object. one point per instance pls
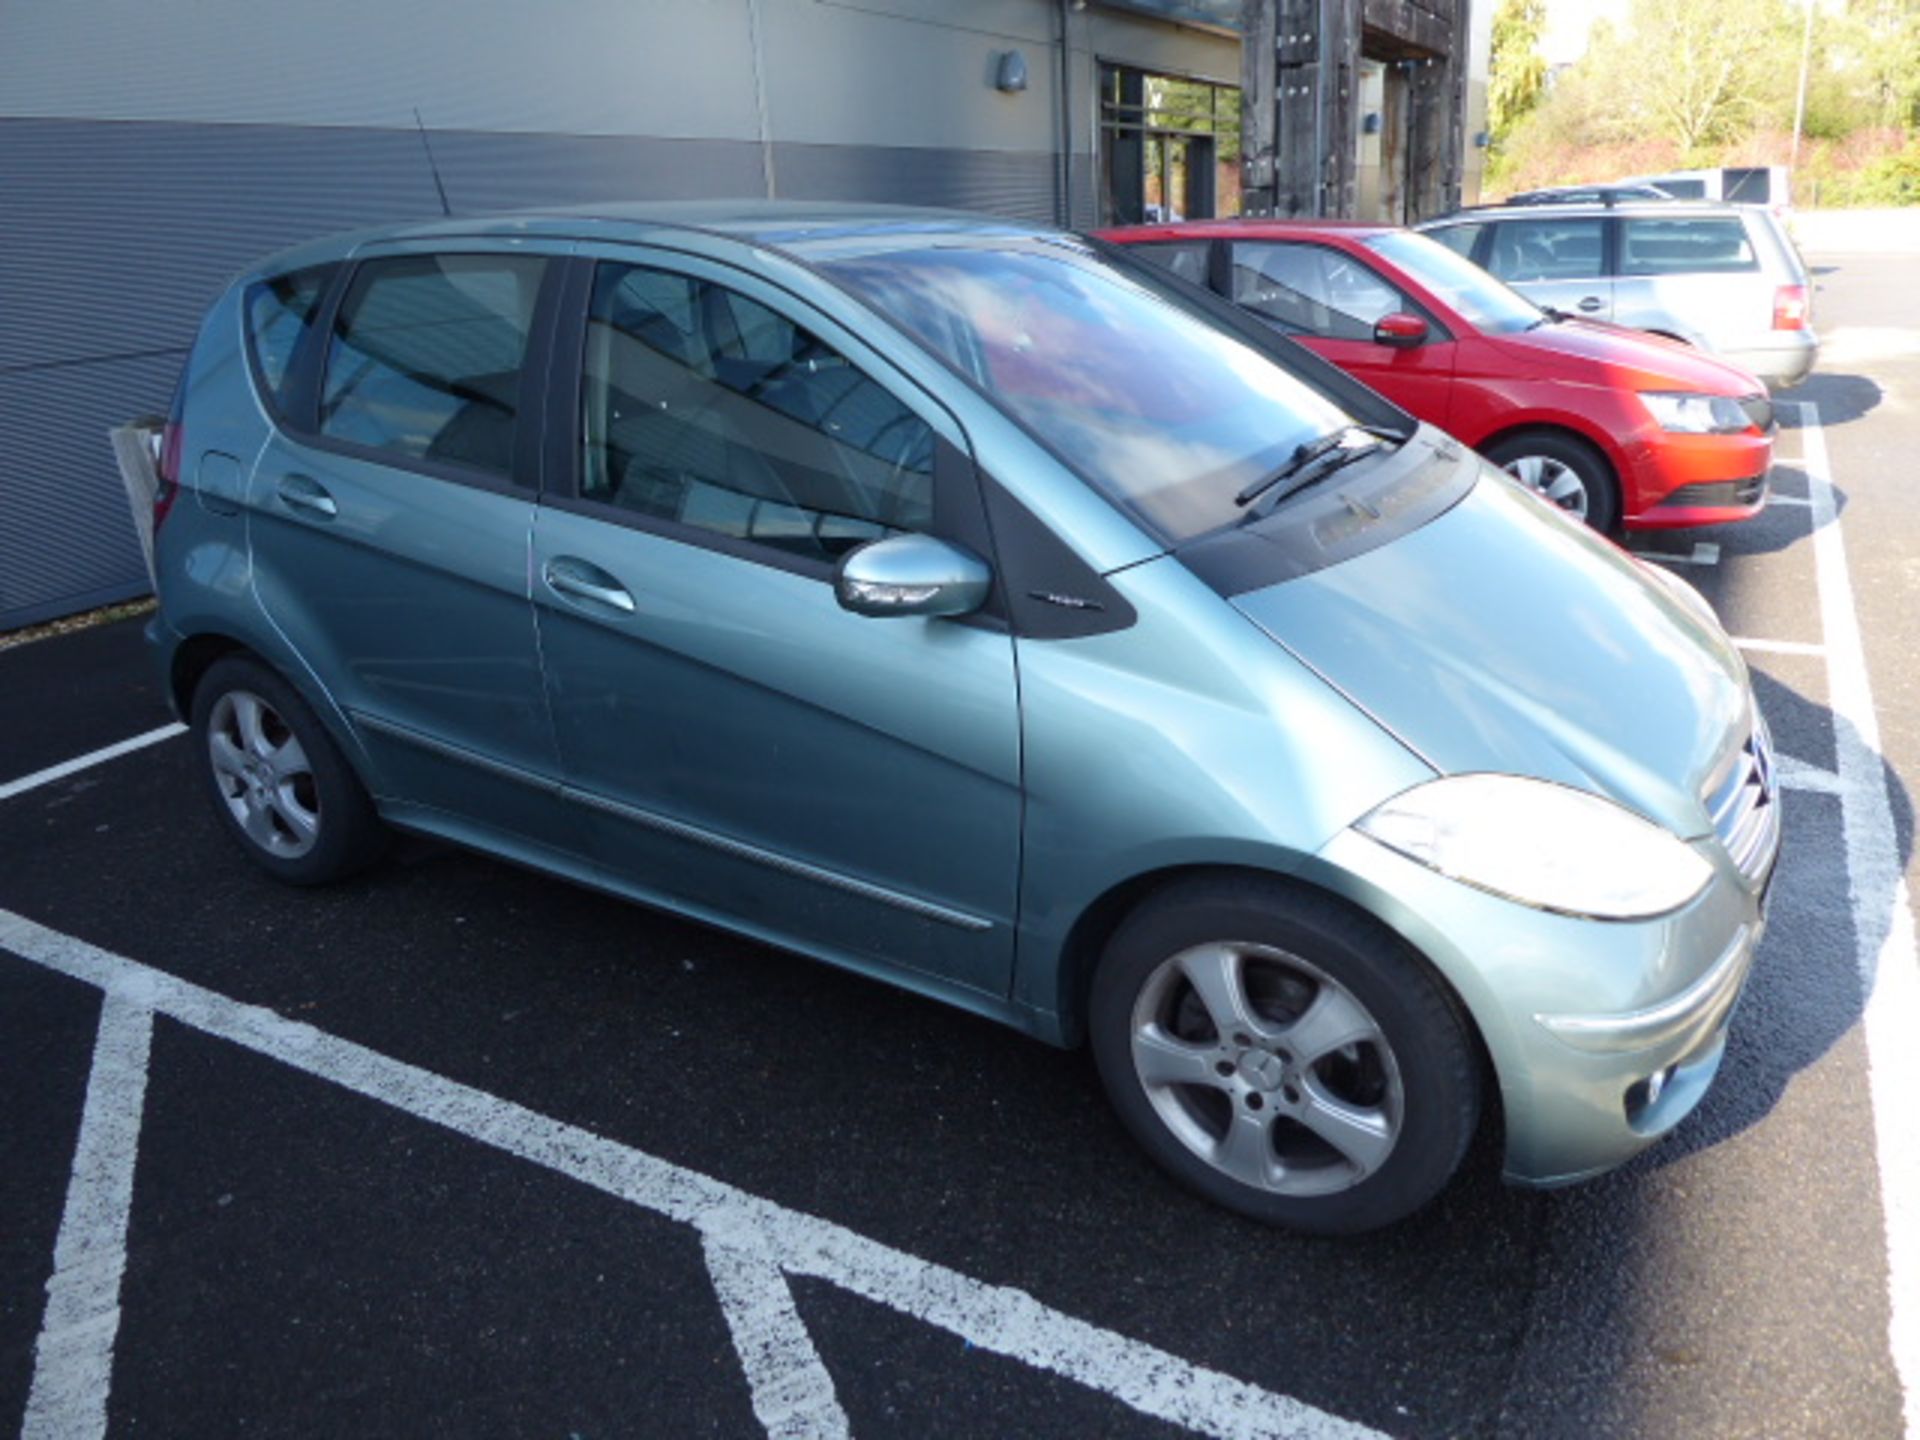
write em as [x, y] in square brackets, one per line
[166, 464]
[1790, 307]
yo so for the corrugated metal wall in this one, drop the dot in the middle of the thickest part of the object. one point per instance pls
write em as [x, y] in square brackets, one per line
[116, 232]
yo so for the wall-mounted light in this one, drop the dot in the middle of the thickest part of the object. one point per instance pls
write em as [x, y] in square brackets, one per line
[1010, 75]
[1370, 123]
[1481, 139]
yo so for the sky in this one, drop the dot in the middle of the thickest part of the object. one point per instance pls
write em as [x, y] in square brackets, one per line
[1568, 21]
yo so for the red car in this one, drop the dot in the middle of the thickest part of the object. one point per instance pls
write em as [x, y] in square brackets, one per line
[1616, 426]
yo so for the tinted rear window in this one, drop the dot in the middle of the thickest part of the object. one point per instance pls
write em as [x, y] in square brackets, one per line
[425, 358]
[280, 311]
[1752, 185]
[1685, 247]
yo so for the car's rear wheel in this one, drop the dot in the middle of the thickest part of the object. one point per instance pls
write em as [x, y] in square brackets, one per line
[1563, 470]
[1283, 1056]
[280, 786]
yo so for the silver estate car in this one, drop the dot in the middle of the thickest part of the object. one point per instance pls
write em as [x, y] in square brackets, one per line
[1725, 278]
[975, 607]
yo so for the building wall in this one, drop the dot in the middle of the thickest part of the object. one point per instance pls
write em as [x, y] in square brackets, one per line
[149, 148]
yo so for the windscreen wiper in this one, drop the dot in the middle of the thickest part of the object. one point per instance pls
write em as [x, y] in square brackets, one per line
[1314, 459]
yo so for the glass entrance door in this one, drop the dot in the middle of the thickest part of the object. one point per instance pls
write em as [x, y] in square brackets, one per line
[1170, 148]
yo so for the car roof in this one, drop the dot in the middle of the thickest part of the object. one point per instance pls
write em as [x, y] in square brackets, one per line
[1630, 209]
[789, 225]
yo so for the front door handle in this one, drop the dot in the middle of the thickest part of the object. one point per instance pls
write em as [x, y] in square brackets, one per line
[1591, 303]
[303, 492]
[580, 580]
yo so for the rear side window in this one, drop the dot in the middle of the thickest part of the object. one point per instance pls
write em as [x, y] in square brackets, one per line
[1747, 185]
[1526, 250]
[1684, 189]
[280, 311]
[1185, 258]
[1685, 247]
[424, 361]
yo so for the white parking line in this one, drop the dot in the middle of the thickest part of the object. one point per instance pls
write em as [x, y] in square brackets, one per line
[1882, 919]
[73, 1360]
[86, 761]
[1780, 647]
[994, 1318]
[792, 1391]
[1702, 553]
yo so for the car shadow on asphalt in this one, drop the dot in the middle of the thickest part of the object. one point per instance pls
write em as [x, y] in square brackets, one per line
[1841, 399]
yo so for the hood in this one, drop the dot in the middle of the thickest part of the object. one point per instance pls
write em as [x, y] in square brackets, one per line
[1504, 637]
[1630, 358]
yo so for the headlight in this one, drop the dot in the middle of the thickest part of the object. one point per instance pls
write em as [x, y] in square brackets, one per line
[1690, 413]
[1542, 845]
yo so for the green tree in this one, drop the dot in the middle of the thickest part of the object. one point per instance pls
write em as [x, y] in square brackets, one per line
[1700, 71]
[1516, 73]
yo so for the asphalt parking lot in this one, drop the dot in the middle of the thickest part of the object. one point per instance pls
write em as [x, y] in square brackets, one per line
[458, 1150]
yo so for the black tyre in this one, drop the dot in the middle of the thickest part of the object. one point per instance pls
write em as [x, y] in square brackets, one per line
[1565, 471]
[1283, 1056]
[278, 783]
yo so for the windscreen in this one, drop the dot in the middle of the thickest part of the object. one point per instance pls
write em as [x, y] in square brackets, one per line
[1162, 411]
[1476, 296]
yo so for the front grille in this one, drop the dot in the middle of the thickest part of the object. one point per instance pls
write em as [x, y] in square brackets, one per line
[1718, 493]
[1759, 409]
[1745, 806]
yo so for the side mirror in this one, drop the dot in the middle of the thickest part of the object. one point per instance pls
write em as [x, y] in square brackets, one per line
[1400, 330]
[911, 575]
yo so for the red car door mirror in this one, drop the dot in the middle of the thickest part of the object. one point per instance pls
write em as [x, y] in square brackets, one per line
[1400, 330]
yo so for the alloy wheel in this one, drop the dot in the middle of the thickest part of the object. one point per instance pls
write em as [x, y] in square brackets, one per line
[1267, 1068]
[263, 775]
[1553, 479]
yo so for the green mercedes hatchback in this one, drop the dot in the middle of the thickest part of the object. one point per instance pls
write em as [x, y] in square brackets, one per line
[971, 606]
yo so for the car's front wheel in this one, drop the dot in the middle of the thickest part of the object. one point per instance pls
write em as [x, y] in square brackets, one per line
[1563, 470]
[1283, 1056]
[278, 783]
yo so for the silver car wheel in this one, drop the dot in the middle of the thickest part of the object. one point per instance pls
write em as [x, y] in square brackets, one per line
[1556, 481]
[1267, 1068]
[263, 775]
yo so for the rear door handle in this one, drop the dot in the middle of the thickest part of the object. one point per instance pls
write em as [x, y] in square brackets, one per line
[1591, 303]
[303, 492]
[580, 580]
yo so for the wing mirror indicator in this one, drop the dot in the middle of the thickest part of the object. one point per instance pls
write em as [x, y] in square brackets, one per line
[911, 575]
[1400, 330]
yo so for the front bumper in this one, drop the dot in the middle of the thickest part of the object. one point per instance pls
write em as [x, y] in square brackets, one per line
[1686, 480]
[1603, 1035]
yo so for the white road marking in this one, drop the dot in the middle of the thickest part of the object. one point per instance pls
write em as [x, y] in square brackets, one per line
[994, 1318]
[90, 759]
[1702, 553]
[792, 1391]
[1882, 920]
[1798, 775]
[1778, 499]
[73, 1359]
[1780, 647]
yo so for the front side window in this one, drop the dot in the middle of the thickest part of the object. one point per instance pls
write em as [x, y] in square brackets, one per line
[1311, 289]
[1166, 413]
[1525, 250]
[1682, 247]
[1471, 292]
[280, 311]
[425, 358]
[708, 409]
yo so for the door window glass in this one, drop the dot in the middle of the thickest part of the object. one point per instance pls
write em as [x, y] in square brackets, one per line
[1678, 247]
[279, 312]
[1526, 250]
[1312, 289]
[426, 354]
[1185, 258]
[707, 408]
[1458, 238]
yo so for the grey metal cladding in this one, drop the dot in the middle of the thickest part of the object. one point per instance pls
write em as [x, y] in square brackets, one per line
[66, 539]
[116, 235]
[1020, 185]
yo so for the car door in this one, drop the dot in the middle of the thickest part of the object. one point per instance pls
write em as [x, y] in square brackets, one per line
[1558, 262]
[746, 748]
[1330, 300]
[389, 519]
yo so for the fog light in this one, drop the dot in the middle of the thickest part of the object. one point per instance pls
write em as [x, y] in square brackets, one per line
[1643, 1095]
